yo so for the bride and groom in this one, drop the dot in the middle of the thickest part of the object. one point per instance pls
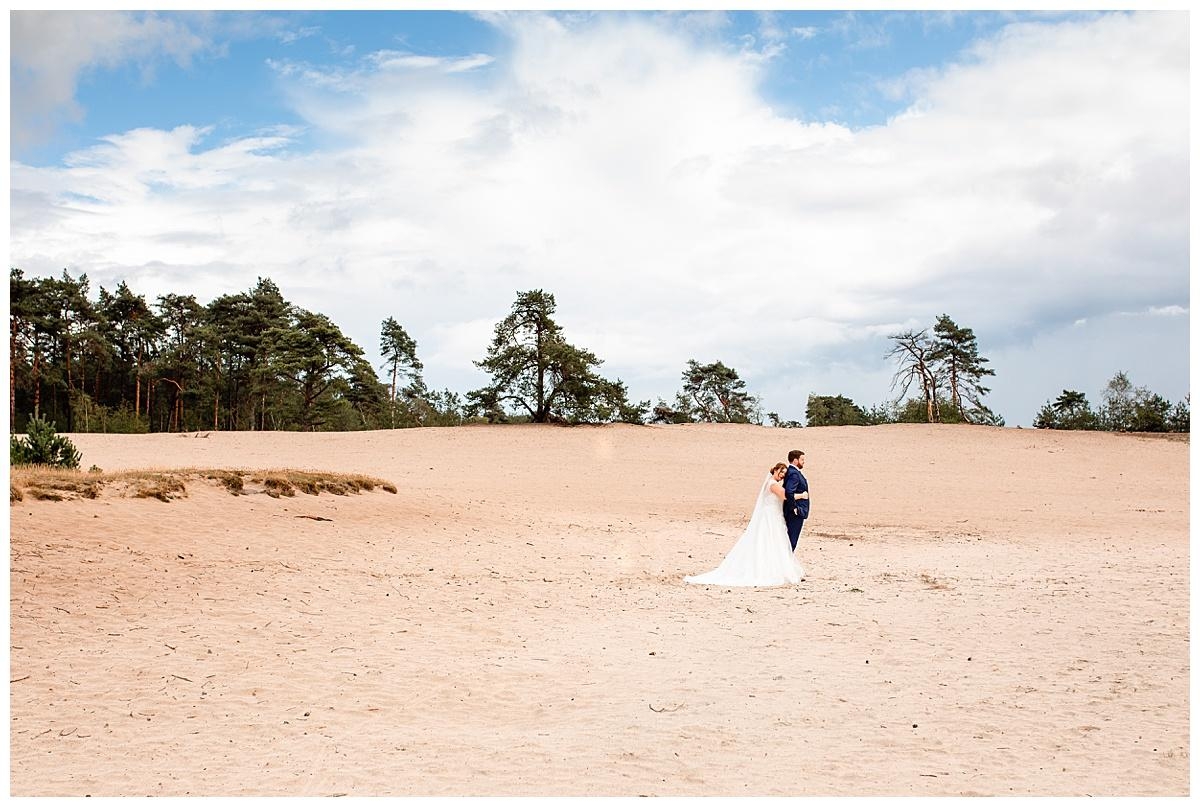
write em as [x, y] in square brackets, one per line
[764, 554]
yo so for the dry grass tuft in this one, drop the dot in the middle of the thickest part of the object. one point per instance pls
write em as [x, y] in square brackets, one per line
[286, 482]
[275, 486]
[44, 483]
[47, 483]
[164, 487]
[230, 480]
[44, 495]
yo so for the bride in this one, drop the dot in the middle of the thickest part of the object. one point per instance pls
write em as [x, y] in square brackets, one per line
[762, 555]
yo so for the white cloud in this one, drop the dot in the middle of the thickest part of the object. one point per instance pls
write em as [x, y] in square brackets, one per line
[637, 174]
[1168, 311]
[395, 60]
[290, 35]
[52, 49]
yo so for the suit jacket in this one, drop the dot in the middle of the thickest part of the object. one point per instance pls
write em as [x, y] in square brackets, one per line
[793, 483]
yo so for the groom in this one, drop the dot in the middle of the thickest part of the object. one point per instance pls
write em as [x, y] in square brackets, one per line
[795, 496]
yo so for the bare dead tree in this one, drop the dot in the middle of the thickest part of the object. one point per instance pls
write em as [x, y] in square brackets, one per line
[916, 355]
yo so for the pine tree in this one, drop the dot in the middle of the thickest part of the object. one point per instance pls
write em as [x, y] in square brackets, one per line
[534, 368]
[956, 355]
[400, 354]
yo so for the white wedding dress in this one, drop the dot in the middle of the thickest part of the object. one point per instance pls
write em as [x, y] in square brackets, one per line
[762, 555]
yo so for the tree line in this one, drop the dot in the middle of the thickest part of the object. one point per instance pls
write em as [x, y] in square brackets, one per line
[1123, 408]
[246, 361]
[115, 362]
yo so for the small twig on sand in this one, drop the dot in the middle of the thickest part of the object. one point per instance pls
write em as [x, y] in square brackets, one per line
[181, 678]
[15, 680]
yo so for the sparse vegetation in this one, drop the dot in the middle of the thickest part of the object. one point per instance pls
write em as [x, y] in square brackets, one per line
[712, 393]
[286, 483]
[231, 480]
[44, 483]
[161, 486]
[1124, 408]
[42, 445]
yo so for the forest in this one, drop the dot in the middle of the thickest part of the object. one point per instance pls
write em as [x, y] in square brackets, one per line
[114, 362]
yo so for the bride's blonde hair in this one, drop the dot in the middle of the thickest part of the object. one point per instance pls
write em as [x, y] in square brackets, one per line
[779, 466]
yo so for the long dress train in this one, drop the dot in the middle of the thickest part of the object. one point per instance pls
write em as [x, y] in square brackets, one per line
[763, 554]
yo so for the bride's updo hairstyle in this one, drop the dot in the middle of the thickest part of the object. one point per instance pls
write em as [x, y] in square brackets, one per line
[777, 467]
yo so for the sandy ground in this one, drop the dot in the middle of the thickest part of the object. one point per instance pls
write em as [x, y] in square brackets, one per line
[987, 611]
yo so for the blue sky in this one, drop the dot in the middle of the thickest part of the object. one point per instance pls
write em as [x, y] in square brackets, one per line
[779, 190]
[823, 65]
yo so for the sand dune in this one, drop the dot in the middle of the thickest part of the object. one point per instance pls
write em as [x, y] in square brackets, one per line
[987, 611]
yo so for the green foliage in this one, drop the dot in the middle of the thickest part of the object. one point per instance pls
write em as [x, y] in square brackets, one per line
[92, 417]
[253, 360]
[406, 404]
[42, 445]
[1119, 402]
[917, 359]
[915, 410]
[882, 413]
[604, 402]
[958, 362]
[1127, 408]
[1124, 408]
[983, 416]
[308, 363]
[362, 399]
[1181, 416]
[444, 408]
[712, 393]
[536, 370]
[416, 405]
[949, 371]
[663, 412]
[778, 423]
[834, 410]
[485, 404]
[1070, 410]
[1152, 413]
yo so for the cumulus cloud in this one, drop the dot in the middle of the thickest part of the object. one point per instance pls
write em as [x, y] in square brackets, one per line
[634, 170]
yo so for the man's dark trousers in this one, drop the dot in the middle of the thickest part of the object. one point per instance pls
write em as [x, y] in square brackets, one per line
[794, 510]
[794, 525]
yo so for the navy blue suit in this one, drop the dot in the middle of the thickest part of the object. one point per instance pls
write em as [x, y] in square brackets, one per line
[794, 510]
